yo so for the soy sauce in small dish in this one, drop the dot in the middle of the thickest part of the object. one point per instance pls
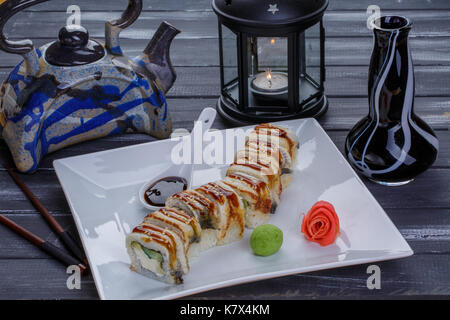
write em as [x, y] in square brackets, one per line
[158, 192]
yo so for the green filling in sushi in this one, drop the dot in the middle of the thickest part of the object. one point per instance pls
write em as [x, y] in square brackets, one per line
[152, 254]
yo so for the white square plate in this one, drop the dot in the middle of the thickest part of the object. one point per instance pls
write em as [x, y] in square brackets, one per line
[102, 191]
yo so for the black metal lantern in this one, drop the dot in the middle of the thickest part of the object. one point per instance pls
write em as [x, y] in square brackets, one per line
[271, 59]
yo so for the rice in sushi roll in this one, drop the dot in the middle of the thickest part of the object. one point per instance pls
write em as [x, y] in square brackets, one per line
[215, 213]
[187, 227]
[197, 205]
[255, 196]
[157, 253]
[229, 218]
[260, 172]
[275, 138]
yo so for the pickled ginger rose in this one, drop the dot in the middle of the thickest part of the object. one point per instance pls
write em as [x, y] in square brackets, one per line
[321, 224]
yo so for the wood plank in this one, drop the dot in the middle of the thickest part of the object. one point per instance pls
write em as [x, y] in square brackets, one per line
[431, 81]
[425, 191]
[416, 275]
[443, 160]
[147, 5]
[339, 52]
[17, 248]
[341, 81]
[44, 185]
[168, 5]
[40, 279]
[199, 24]
[338, 137]
[420, 209]
[429, 190]
[412, 276]
[426, 230]
[342, 115]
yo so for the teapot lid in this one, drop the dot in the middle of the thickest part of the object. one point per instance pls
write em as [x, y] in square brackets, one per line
[73, 48]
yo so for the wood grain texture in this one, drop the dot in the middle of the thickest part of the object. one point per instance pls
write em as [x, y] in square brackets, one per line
[429, 190]
[421, 210]
[185, 52]
[342, 115]
[414, 276]
[205, 5]
[342, 81]
[426, 230]
[203, 24]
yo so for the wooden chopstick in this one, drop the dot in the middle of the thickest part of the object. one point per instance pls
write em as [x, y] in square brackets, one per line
[46, 246]
[65, 237]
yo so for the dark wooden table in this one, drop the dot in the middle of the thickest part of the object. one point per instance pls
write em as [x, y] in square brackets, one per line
[420, 210]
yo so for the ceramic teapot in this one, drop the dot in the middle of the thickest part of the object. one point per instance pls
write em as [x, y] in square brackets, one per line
[76, 89]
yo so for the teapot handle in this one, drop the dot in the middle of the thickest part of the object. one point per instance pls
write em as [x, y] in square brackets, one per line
[9, 8]
[113, 28]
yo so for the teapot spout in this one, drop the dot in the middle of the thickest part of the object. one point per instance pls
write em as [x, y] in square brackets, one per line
[158, 53]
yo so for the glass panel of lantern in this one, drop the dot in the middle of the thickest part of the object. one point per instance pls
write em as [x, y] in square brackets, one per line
[311, 55]
[229, 63]
[268, 71]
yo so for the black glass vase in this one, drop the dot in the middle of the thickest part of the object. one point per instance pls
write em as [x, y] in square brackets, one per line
[391, 145]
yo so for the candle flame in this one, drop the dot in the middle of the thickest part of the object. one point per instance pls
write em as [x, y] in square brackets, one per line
[272, 42]
[269, 77]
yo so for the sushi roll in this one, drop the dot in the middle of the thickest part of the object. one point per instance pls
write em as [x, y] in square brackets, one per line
[259, 171]
[278, 140]
[269, 161]
[187, 227]
[158, 253]
[196, 205]
[255, 196]
[229, 220]
[272, 150]
[216, 213]
[287, 139]
[279, 155]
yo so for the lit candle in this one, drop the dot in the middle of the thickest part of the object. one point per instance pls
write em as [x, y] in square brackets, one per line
[269, 78]
[270, 82]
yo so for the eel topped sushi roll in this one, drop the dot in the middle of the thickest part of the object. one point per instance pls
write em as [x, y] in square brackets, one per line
[286, 138]
[269, 161]
[216, 213]
[158, 253]
[196, 205]
[229, 218]
[269, 138]
[187, 227]
[255, 196]
[260, 172]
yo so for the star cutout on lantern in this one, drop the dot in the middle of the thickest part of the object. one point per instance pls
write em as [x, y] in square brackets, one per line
[273, 8]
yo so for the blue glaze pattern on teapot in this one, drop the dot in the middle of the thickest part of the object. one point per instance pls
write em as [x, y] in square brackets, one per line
[54, 99]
